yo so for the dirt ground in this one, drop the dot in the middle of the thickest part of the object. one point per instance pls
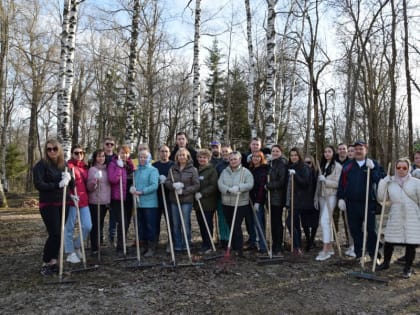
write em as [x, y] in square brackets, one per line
[291, 287]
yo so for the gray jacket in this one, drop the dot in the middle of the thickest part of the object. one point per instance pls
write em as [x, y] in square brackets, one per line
[241, 177]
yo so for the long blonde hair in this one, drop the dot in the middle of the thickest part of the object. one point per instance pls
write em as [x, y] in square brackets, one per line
[60, 163]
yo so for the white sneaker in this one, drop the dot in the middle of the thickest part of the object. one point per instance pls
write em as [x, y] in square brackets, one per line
[331, 252]
[323, 256]
[78, 253]
[350, 252]
[72, 258]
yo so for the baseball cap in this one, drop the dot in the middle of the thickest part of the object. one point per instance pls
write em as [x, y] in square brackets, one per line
[360, 142]
[215, 143]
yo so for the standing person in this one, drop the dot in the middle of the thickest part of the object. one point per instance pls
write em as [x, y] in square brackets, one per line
[99, 195]
[207, 195]
[303, 196]
[310, 216]
[342, 154]
[80, 199]
[182, 180]
[350, 152]
[119, 169]
[49, 180]
[403, 227]
[182, 143]
[277, 185]
[147, 182]
[259, 169]
[236, 180]
[216, 154]
[223, 226]
[327, 197]
[163, 165]
[351, 196]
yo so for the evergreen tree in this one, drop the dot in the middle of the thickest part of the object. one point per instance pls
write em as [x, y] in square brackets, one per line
[15, 164]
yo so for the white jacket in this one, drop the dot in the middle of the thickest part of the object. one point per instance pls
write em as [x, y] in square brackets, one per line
[329, 187]
[403, 224]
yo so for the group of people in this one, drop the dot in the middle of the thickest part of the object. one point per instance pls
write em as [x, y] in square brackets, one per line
[226, 187]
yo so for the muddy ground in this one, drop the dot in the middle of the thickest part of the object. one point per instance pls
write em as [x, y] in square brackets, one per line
[292, 287]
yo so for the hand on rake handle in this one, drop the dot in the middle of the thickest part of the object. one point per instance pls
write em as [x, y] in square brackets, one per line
[387, 179]
[162, 179]
[321, 178]
[120, 163]
[370, 164]
[178, 185]
[133, 190]
[98, 175]
[342, 205]
[256, 207]
[234, 189]
[178, 191]
[292, 172]
[75, 200]
[65, 179]
[198, 196]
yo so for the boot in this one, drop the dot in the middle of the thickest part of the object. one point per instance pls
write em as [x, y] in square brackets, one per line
[151, 250]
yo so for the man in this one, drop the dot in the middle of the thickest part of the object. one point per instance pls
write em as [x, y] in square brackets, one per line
[216, 155]
[351, 196]
[108, 146]
[163, 165]
[254, 146]
[182, 142]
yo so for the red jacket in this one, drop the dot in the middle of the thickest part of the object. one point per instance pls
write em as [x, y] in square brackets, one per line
[80, 180]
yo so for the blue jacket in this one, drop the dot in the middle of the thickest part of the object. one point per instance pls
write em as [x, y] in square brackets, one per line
[147, 180]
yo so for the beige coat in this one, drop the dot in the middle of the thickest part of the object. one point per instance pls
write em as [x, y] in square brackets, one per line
[403, 224]
[329, 187]
[241, 177]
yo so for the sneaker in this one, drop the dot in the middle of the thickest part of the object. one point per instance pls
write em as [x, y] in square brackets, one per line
[46, 270]
[350, 252]
[407, 273]
[297, 252]
[383, 266]
[78, 253]
[73, 258]
[53, 268]
[331, 251]
[323, 256]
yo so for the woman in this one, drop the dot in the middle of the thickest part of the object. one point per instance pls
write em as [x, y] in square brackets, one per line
[277, 186]
[184, 182]
[49, 180]
[99, 196]
[300, 177]
[330, 171]
[310, 217]
[235, 182]
[146, 185]
[119, 170]
[259, 169]
[80, 200]
[403, 227]
[207, 196]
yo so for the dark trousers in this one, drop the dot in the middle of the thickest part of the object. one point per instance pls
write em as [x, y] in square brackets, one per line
[356, 216]
[297, 233]
[410, 253]
[241, 214]
[277, 227]
[115, 209]
[94, 232]
[147, 223]
[251, 228]
[161, 212]
[203, 230]
[51, 215]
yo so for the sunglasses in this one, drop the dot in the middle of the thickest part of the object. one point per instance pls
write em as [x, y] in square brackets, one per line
[78, 152]
[308, 162]
[109, 144]
[51, 149]
[404, 168]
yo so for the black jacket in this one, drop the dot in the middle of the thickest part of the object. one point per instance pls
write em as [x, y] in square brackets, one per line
[277, 183]
[303, 192]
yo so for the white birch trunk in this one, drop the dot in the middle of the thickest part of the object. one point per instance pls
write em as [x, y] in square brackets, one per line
[131, 77]
[269, 114]
[196, 79]
[251, 72]
[66, 74]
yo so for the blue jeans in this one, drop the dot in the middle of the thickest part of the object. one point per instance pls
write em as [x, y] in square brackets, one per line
[86, 222]
[261, 219]
[179, 240]
[147, 222]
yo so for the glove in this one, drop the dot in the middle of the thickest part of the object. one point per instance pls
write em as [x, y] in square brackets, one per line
[256, 206]
[120, 163]
[233, 189]
[370, 164]
[342, 205]
[387, 179]
[316, 203]
[416, 173]
[133, 190]
[178, 185]
[178, 191]
[321, 178]
[292, 172]
[75, 199]
[65, 179]
[162, 179]
[98, 175]
[198, 196]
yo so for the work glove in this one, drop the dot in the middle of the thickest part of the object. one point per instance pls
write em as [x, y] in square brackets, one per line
[120, 163]
[178, 185]
[75, 200]
[370, 164]
[198, 196]
[162, 179]
[178, 191]
[65, 179]
[387, 179]
[256, 206]
[416, 173]
[233, 189]
[133, 190]
[342, 205]
[321, 178]
[98, 174]
[292, 172]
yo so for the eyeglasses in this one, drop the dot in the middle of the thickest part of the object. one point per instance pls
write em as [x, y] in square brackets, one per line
[51, 149]
[404, 168]
[78, 152]
[109, 144]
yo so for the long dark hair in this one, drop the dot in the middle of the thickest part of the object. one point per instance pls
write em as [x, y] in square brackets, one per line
[295, 149]
[327, 171]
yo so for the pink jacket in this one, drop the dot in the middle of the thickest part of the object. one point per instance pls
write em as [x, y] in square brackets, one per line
[81, 175]
[115, 173]
[99, 190]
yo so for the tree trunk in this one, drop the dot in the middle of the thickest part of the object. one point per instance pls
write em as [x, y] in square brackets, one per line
[196, 79]
[408, 83]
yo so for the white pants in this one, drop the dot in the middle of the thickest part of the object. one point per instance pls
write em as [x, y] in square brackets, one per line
[327, 205]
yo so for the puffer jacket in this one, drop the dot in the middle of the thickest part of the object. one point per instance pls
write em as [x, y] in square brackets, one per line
[189, 177]
[403, 224]
[208, 188]
[258, 193]
[115, 173]
[330, 186]
[146, 178]
[241, 177]
[277, 183]
[80, 177]
[99, 190]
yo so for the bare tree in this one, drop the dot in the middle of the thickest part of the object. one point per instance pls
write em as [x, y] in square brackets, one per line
[196, 103]
[408, 82]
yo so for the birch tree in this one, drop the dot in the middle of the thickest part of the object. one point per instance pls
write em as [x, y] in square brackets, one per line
[196, 102]
[408, 82]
